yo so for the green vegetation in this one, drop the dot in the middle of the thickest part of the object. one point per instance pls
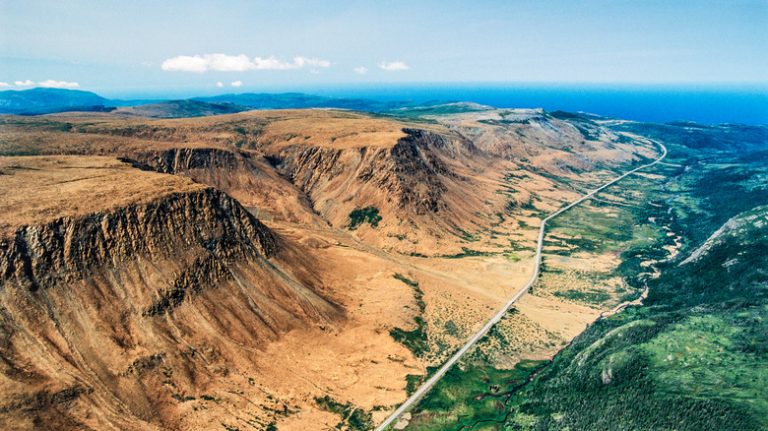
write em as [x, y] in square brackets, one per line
[408, 281]
[591, 230]
[471, 395]
[451, 328]
[352, 418]
[528, 205]
[466, 236]
[509, 208]
[416, 340]
[360, 216]
[182, 398]
[412, 383]
[467, 252]
[511, 257]
[592, 296]
[695, 355]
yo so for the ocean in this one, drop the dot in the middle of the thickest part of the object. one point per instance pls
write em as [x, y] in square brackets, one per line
[710, 104]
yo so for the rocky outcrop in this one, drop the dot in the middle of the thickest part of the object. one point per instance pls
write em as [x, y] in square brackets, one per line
[243, 175]
[182, 160]
[757, 218]
[413, 172]
[410, 174]
[64, 249]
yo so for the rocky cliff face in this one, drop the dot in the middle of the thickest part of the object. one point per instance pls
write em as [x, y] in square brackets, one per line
[124, 311]
[243, 175]
[308, 167]
[409, 175]
[181, 160]
[413, 171]
[64, 249]
[426, 186]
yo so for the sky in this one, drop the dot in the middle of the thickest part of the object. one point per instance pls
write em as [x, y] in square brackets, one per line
[131, 47]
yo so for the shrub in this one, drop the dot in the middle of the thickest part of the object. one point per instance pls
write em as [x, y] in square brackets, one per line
[368, 215]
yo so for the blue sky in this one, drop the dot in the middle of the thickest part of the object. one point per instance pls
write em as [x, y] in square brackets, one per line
[123, 47]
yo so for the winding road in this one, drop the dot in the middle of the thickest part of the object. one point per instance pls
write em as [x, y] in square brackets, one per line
[430, 383]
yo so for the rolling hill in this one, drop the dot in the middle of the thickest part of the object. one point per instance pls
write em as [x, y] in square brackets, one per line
[48, 100]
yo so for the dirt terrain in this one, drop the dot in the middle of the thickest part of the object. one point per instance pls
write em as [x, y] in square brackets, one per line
[228, 272]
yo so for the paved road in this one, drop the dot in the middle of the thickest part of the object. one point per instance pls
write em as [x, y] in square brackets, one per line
[424, 388]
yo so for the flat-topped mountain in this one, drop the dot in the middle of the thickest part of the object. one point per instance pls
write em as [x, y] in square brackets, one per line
[181, 109]
[47, 100]
[115, 274]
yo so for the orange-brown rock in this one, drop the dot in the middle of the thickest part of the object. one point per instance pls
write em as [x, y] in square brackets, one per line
[120, 304]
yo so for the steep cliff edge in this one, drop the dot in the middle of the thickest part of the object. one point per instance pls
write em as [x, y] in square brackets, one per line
[244, 175]
[410, 172]
[561, 143]
[64, 249]
[114, 305]
[424, 185]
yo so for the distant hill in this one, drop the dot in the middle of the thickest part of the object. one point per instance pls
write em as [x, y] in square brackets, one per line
[301, 100]
[182, 109]
[49, 100]
[437, 108]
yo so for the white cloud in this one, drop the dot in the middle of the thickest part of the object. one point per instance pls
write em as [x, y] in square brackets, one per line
[26, 83]
[272, 63]
[237, 83]
[185, 63]
[219, 84]
[50, 83]
[228, 63]
[4, 85]
[393, 66]
[362, 70]
[237, 63]
[299, 62]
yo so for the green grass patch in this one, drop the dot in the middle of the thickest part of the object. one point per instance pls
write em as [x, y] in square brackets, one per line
[589, 296]
[352, 418]
[467, 252]
[360, 216]
[416, 340]
[470, 395]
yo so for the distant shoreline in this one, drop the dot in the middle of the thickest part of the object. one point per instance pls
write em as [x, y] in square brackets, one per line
[704, 104]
